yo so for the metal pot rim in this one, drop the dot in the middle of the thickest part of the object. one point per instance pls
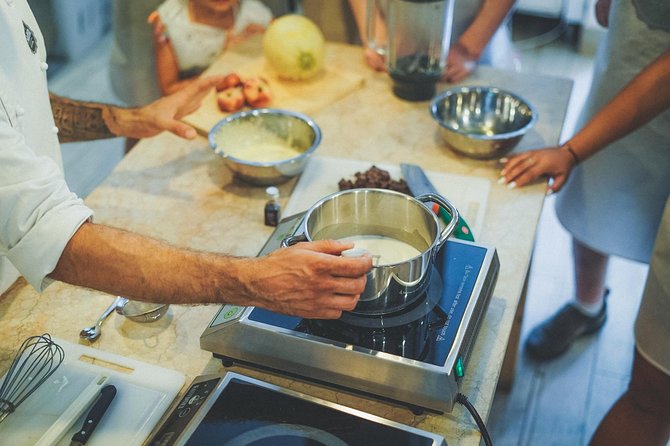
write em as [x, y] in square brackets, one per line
[320, 203]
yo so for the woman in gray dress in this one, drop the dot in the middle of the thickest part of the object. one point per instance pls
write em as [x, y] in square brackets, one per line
[610, 200]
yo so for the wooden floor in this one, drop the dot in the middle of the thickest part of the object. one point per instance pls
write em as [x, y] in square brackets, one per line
[558, 403]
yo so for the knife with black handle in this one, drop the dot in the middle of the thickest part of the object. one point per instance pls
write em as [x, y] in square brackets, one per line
[419, 184]
[94, 416]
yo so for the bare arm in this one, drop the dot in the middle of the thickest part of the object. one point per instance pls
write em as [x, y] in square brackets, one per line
[308, 279]
[465, 52]
[83, 121]
[643, 98]
[492, 13]
[373, 59]
[167, 69]
[646, 96]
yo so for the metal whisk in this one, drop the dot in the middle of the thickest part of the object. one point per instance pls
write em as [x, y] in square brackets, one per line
[35, 361]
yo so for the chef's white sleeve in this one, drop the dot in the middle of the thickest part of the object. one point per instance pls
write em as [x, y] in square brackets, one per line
[38, 212]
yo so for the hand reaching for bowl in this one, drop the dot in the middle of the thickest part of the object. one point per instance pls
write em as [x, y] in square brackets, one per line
[526, 167]
[308, 279]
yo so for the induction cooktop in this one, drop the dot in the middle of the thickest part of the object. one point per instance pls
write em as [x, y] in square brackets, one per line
[236, 410]
[416, 357]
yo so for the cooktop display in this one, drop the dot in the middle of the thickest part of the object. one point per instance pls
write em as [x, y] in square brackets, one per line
[236, 410]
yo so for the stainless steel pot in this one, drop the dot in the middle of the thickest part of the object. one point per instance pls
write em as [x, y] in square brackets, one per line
[381, 212]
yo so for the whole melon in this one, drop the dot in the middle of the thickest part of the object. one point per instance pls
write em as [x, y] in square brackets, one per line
[294, 47]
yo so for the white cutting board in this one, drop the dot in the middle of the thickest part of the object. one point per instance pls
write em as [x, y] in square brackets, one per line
[322, 174]
[144, 392]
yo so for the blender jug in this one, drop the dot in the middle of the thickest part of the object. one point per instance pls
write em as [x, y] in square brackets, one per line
[417, 42]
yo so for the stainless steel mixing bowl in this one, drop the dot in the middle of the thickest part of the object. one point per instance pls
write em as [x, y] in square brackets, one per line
[482, 122]
[296, 130]
[141, 311]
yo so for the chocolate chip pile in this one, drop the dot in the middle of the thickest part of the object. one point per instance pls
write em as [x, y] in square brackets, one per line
[376, 178]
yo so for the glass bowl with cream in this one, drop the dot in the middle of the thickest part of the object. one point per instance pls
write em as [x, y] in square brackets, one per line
[265, 146]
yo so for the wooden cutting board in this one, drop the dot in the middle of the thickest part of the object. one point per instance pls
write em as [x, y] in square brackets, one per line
[322, 174]
[308, 96]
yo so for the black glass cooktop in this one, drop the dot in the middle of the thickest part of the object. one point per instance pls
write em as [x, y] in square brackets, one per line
[427, 338]
[255, 413]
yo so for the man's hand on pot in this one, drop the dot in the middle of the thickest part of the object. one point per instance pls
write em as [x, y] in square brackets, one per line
[309, 279]
[524, 168]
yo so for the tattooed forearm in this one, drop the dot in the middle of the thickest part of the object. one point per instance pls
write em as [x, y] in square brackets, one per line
[80, 121]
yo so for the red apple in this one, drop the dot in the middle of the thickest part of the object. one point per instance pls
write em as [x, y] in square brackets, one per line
[231, 99]
[229, 81]
[257, 92]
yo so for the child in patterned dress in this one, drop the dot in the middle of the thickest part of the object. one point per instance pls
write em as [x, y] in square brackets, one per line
[190, 34]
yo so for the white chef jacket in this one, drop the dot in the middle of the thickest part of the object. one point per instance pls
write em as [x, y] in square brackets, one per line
[38, 212]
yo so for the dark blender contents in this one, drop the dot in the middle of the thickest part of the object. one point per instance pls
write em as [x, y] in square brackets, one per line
[415, 77]
[374, 177]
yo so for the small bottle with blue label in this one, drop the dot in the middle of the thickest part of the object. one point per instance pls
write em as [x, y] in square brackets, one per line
[272, 208]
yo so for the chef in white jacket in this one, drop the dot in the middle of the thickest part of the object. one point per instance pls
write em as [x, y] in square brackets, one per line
[38, 212]
[46, 231]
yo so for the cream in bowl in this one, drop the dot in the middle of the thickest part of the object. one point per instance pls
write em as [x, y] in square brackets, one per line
[251, 141]
[265, 146]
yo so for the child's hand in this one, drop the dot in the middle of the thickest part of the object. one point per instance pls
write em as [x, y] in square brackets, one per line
[158, 28]
[251, 30]
[153, 18]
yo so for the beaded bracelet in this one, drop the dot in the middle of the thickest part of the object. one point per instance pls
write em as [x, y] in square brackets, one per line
[572, 152]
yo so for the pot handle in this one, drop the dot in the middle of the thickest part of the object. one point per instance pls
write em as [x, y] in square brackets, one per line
[293, 239]
[447, 206]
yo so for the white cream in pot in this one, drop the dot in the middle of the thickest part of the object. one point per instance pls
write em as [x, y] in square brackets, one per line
[384, 250]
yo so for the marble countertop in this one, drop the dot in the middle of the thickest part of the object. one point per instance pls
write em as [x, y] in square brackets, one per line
[179, 191]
